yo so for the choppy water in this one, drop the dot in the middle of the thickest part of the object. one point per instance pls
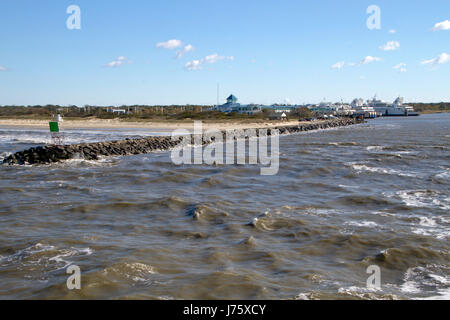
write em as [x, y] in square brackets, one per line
[141, 227]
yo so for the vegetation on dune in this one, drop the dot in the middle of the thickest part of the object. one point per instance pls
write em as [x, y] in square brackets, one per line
[431, 107]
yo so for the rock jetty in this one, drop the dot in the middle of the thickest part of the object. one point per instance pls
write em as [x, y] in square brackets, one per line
[94, 151]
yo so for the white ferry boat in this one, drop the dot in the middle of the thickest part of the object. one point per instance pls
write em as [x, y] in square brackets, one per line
[363, 110]
[396, 109]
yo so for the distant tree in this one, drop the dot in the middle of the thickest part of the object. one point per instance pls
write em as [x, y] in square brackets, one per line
[303, 113]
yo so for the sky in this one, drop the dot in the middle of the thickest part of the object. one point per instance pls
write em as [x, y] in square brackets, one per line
[164, 52]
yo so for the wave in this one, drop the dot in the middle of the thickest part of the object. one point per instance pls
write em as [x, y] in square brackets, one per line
[134, 271]
[374, 148]
[431, 227]
[406, 256]
[360, 168]
[423, 281]
[4, 155]
[42, 258]
[17, 136]
[368, 224]
[445, 175]
[344, 144]
[357, 200]
[423, 199]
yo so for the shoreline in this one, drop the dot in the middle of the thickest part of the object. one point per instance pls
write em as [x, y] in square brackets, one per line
[167, 124]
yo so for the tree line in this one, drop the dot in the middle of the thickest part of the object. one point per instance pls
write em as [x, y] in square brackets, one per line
[174, 112]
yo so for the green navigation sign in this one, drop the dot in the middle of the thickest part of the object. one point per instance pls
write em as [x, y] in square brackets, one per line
[54, 126]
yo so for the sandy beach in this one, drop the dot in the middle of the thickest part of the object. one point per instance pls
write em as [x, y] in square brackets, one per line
[116, 123]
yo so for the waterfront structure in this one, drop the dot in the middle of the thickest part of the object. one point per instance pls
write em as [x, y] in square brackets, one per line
[281, 109]
[335, 109]
[391, 110]
[232, 105]
[363, 110]
[250, 109]
[229, 105]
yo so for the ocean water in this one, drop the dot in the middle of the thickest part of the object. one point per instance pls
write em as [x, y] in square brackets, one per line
[141, 227]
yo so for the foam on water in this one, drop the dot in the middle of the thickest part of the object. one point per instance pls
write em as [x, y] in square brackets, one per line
[4, 155]
[361, 168]
[445, 175]
[422, 282]
[134, 271]
[47, 257]
[374, 148]
[427, 222]
[423, 198]
[368, 224]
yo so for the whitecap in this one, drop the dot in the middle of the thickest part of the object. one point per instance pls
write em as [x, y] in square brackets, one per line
[374, 148]
[425, 280]
[350, 187]
[421, 231]
[368, 224]
[444, 175]
[363, 168]
[424, 199]
[383, 214]
[136, 271]
[427, 222]
[443, 294]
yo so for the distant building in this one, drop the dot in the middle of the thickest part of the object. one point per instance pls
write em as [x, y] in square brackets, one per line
[232, 99]
[281, 109]
[249, 109]
[228, 107]
[278, 116]
[232, 105]
[114, 110]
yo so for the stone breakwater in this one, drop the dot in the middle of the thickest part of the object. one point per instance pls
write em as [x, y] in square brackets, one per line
[94, 151]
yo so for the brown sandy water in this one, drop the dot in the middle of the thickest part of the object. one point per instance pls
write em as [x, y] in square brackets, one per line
[142, 227]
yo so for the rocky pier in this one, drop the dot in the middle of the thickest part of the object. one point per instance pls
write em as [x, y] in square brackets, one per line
[94, 151]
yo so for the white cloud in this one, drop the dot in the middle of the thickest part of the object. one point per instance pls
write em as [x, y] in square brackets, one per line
[213, 58]
[369, 59]
[441, 59]
[401, 67]
[3, 68]
[338, 65]
[444, 25]
[391, 45]
[118, 62]
[171, 44]
[185, 50]
[193, 65]
[392, 31]
[198, 64]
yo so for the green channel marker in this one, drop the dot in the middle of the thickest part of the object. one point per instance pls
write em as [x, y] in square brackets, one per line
[54, 126]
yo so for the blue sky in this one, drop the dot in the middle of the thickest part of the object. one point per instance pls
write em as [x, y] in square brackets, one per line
[261, 51]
